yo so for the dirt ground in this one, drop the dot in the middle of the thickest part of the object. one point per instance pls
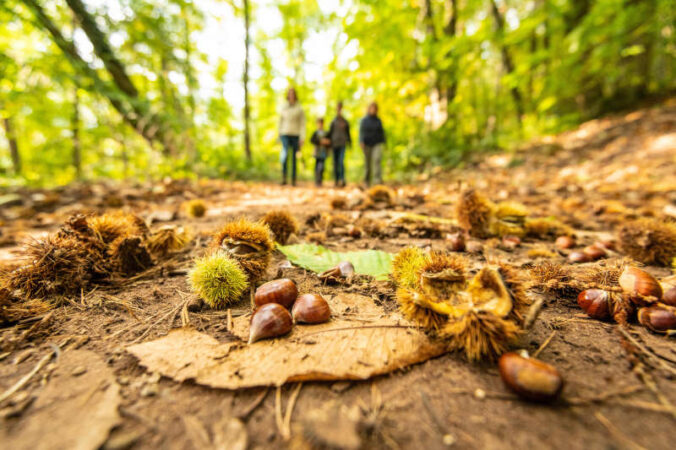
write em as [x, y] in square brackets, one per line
[593, 179]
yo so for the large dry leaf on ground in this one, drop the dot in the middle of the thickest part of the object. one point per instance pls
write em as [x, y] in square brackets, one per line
[359, 342]
[71, 411]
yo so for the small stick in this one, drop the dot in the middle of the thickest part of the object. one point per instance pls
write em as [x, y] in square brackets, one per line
[616, 433]
[26, 378]
[544, 344]
[645, 351]
[244, 415]
[278, 410]
[228, 322]
[578, 401]
[289, 410]
[358, 328]
[533, 313]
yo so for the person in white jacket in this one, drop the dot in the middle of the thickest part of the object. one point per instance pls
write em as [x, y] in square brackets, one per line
[291, 133]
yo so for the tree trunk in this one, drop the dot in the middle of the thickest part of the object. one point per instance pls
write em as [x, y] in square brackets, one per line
[13, 145]
[507, 59]
[450, 31]
[245, 79]
[75, 131]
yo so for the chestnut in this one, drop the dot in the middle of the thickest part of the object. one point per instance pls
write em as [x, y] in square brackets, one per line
[268, 321]
[669, 291]
[456, 242]
[596, 303]
[510, 242]
[565, 242]
[659, 318]
[530, 378]
[310, 308]
[641, 287]
[594, 252]
[342, 270]
[579, 257]
[282, 291]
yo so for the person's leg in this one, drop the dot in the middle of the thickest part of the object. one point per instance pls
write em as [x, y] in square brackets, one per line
[367, 164]
[284, 156]
[336, 165]
[294, 150]
[377, 163]
[341, 165]
[319, 171]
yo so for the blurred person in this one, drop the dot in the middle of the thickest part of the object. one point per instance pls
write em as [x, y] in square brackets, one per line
[339, 134]
[372, 142]
[291, 133]
[322, 144]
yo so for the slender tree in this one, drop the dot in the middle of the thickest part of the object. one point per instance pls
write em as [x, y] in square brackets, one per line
[245, 79]
[12, 143]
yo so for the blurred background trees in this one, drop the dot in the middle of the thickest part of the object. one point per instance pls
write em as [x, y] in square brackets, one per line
[143, 88]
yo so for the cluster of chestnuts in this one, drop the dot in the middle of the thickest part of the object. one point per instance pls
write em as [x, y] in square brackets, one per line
[278, 307]
[655, 301]
[590, 253]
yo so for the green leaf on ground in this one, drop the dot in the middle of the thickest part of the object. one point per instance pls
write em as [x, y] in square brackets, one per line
[375, 263]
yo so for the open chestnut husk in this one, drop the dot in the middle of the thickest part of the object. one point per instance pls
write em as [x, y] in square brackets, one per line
[268, 321]
[530, 378]
[282, 291]
[310, 308]
[659, 318]
[641, 287]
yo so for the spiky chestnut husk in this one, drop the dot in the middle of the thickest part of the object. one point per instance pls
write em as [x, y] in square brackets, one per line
[338, 203]
[480, 335]
[474, 213]
[508, 218]
[218, 279]
[442, 275]
[381, 194]
[516, 282]
[130, 255]
[167, 239]
[411, 309]
[14, 311]
[112, 226]
[196, 208]
[57, 265]
[406, 265]
[649, 241]
[282, 225]
[250, 243]
[549, 227]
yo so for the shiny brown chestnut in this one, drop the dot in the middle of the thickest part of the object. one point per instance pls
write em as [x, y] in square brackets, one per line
[268, 321]
[659, 318]
[594, 252]
[456, 242]
[579, 257]
[530, 378]
[596, 303]
[510, 242]
[564, 242]
[282, 291]
[641, 287]
[310, 308]
[669, 290]
[342, 270]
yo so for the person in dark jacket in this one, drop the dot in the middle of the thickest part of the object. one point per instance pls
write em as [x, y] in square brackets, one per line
[339, 134]
[372, 141]
[322, 143]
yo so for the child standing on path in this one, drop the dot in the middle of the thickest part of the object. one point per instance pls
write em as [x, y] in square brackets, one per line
[322, 143]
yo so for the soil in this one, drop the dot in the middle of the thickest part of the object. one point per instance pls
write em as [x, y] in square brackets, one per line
[593, 179]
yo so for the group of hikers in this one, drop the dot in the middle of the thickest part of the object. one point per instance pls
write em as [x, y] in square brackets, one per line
[331, 142]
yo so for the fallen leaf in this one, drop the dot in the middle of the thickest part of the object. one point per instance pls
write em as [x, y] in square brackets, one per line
[359, 342]
[70, 412]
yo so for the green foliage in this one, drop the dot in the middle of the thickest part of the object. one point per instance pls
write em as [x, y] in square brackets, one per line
[218, 280]
[444, 87]
[313, 257]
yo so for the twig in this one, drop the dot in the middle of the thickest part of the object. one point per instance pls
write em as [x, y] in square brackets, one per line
[244, 415]
[278, 410]
[228, 322]
[616, 433]
[533, 313]
[26, 378]
[289, 411]
[435, 419]
[578, 401]
[145, 333]
[544, 344]
[650, 383]
[646, 351]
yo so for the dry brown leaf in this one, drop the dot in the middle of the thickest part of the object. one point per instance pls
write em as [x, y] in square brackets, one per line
[72, 411]
[359, 342]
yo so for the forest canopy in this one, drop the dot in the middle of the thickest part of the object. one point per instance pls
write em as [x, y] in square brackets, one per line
[148, 88]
